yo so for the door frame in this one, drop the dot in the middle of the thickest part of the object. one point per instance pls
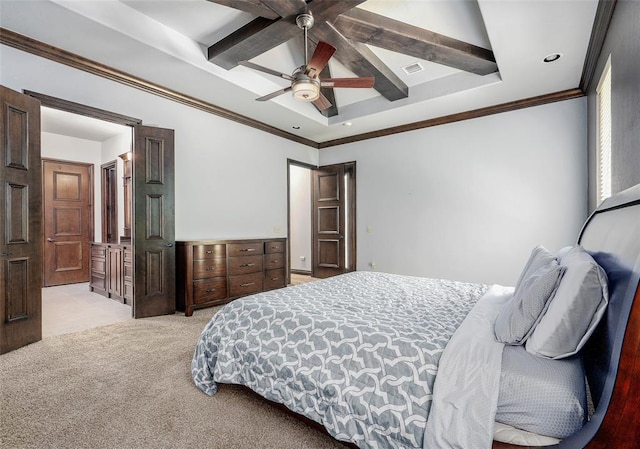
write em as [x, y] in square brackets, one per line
[87, 111]
[351, 229]
[81, 109]
[310, 167]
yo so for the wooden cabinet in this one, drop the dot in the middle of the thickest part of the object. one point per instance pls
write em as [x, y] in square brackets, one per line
[274, 265]
[213, 272]
[98, 281]
[112, 271]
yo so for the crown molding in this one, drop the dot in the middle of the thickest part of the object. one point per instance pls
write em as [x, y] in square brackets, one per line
[601, 22]
[490, 110]
[35, 47]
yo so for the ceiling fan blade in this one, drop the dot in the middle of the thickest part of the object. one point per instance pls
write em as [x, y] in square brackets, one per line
[322, 103]
[320, 58]
[274, 94]
[364, 82]
[260, 68]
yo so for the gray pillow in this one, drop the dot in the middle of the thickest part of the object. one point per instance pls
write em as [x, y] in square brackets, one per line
[519, 316]
[575, 310]
[539, 257]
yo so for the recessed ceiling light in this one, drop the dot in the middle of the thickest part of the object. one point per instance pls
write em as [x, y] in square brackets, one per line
[552, 57]
[347, 124]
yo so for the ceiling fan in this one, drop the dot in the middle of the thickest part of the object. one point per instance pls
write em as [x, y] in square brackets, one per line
[305, 80]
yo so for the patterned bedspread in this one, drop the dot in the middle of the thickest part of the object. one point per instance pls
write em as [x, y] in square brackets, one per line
[357, 353]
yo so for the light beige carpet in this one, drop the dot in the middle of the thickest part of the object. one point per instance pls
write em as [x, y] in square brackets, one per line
[128, 385]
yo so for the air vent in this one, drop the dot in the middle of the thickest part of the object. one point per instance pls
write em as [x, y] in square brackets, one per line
[412, 68]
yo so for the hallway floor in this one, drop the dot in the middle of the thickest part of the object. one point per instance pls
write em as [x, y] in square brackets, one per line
[73, 308]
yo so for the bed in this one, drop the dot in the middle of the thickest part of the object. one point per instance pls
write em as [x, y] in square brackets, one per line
[383, 361]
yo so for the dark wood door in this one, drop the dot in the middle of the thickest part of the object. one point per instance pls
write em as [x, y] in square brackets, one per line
[68, 221]
[20, 221]
[153, 225]
[333, 223]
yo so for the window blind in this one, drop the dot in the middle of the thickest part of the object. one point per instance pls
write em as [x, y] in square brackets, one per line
[603, 94]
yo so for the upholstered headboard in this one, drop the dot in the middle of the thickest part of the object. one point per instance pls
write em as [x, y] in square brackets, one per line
[612, 355]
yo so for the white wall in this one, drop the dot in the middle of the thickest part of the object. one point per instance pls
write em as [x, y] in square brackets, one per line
[231, 180]
[466, 200]
[300, 216]
[469, 200]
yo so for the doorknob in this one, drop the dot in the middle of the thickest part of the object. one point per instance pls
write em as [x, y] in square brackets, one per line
[4, 254]
[169, 244]
[49, 239]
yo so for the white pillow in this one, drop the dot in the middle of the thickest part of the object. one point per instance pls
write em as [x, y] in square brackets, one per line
[575, 310]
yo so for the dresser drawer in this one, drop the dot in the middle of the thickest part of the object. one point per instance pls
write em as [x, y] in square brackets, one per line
[209, 268]
[274, 247]
[98, 281]
[274, 260]
[209, 252]
[245, 265]
[207, 290]
[99, 265]
[245, 284]
[245, 249]
[274, 279]
[99, 251]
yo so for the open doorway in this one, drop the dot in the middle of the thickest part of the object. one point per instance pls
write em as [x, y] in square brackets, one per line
[322, 220]
[300, 251]
[76, 140]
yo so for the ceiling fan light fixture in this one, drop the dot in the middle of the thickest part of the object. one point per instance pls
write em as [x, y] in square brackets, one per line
[306, 90]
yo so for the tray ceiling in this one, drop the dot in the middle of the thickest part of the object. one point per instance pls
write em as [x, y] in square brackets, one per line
[470, 54]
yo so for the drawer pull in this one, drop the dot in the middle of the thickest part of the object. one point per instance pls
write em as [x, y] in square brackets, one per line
[248, 284]
[209, 252]
[275, 279]
[211, 290]
[248, 265]
[211, 268]
[247, 250]
[274, 261]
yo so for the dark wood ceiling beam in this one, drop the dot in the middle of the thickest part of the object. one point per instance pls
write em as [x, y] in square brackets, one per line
[362, 61]
[256, 37]
[380, 31]
[285, 8]
[329, 94]
[261, 35]
[255, 7]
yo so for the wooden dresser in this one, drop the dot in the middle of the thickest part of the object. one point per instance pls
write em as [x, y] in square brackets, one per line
[112, 271]
[212, 272]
